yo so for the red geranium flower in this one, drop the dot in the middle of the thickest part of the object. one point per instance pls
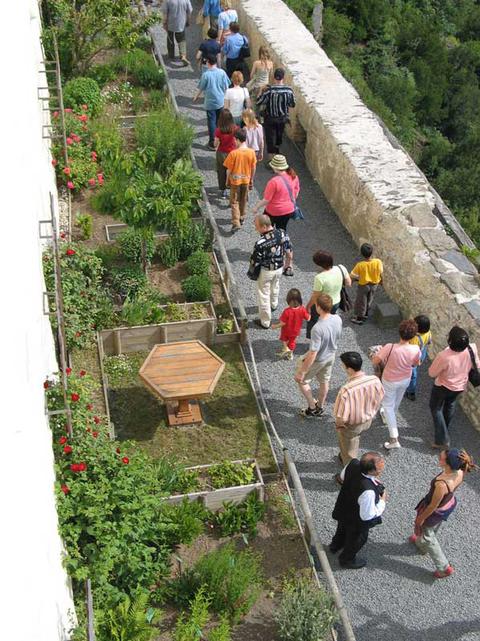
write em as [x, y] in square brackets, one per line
[67, 449]
[63, 235]
[91, 182]
[70, 252]
[69, 141]
[67, 171]
[55, 114]
[117, 450]
[62, 440]
[90, 407]
[89, 429]
[65, 489]
[75, 397]
[74, 467]
[94, 155]
[97, 420]
[77, 334]
[94, 434]
[68, 111]
[82, 372]
[68, 371]
[46, 385]
[70, 185]
[82, 467]
[125, 460]
[54, 162]
[83, 118]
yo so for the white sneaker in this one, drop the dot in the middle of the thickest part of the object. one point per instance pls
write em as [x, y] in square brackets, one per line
[382, 415]
[391, 446]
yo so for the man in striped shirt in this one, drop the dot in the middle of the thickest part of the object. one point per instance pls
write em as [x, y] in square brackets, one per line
[276, 100]
[356, 405]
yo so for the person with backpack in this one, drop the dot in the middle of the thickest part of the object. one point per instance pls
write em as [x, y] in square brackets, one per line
[234, 49]
[438, 505]
[451, 369]
[209, 47]
[423, 339]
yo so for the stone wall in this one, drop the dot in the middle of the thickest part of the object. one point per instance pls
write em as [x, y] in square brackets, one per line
[377, 191]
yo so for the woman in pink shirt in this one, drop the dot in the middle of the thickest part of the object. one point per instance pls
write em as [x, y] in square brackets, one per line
[398, 360]
[450, 370]
[279, 196]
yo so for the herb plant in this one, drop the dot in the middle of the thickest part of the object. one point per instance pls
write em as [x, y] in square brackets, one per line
[197, 287]
[242, 518]
[228, 474]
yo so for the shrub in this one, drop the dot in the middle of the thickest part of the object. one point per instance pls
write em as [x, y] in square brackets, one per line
[165, 137]
[196, 236]
[141, 68]
[127, 280]
[197, 288]
[85, 223]
[173, 477]
[109, 255]
[189, 628]
[306, 612]
[243, 518]
[85, 303]
[83, 91]
[232, 581]
[131, 242]
[102, 74]
[108, 142]
[198, 263]
[186, 521]
[144, 42]
[168, 252]
[228, 474]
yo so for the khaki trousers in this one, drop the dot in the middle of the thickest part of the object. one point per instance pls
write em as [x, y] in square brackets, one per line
[238, 203]
[349, 440]
[268, 288]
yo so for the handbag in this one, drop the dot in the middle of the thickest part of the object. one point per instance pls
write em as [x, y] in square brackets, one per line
[345, 302]
[473, 374]
[244, 50]
[254, 270]
[297, 212]
[373, 351]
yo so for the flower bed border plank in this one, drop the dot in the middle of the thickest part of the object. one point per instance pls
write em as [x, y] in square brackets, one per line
[214, 499]
[159, 235]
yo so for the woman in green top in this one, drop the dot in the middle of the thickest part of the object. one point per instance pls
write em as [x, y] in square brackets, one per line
[329, 281]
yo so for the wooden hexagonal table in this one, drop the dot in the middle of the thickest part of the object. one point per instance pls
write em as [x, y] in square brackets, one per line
[180, 374]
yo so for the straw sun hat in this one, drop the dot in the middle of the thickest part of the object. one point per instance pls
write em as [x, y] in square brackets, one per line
[279, 163]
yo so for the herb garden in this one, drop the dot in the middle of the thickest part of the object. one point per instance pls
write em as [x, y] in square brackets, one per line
[176, 529]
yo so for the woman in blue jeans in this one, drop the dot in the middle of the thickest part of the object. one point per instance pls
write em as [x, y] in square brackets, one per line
[450, 369]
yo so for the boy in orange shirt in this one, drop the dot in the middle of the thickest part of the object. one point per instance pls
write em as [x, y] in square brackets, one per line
[368, 272]
[240, 165]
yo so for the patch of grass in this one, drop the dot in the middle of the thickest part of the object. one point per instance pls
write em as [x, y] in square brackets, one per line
[87, 359]
[233, 427]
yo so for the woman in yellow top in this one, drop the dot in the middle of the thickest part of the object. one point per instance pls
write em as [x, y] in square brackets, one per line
[423, 340]
[368, 272]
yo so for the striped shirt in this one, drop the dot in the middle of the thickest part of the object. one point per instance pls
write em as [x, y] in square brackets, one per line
[358, 400]
[277, 100]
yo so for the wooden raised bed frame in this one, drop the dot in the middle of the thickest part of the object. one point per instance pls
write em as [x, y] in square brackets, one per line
[214, 499]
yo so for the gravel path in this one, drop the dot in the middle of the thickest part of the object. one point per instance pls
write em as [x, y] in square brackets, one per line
[395, 597]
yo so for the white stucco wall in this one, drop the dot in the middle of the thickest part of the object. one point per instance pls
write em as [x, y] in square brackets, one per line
[35, 599]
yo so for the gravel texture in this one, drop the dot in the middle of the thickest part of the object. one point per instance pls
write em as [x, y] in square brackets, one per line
[395, 598]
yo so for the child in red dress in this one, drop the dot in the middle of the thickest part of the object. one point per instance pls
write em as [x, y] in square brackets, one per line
[291, 323]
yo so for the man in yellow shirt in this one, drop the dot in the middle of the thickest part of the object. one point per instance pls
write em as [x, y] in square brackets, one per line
[240, 165]
[368, 272]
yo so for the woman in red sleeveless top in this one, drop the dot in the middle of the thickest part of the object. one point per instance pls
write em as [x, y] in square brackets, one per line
[437, 506]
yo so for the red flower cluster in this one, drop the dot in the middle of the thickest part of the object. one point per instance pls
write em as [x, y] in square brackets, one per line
[68, 371]
[70, 252]
[46, 385]
[94, 156]
[89, 407]
[62, 440]
[71, 185]
[78, 467]
[54, 162]
[82, 372]
[75, 397]
[65, 489]
[97, 420]
[67, 449]
[83, 118]
[94, 434]
[125, 460]
[67, 171]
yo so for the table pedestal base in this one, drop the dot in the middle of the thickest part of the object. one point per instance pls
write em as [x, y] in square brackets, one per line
[184, 413]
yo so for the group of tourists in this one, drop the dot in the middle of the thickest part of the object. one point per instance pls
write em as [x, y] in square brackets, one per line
[243, 119]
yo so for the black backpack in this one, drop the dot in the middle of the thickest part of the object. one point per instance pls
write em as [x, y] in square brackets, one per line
[244, 50]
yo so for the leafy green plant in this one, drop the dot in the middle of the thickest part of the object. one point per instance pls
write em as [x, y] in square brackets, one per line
[137, 245]
[306, 612]
[168, 252]
[102, 74]
[222, 632]
[143, 308]
[85, 224]
[127, 280]
[197, 288]
[174, 478]
[118, 369]
[198, 263]
[109, 255]
[85, 303]
[186, 521]
[196, 236]
[156, 99]
[144, 42]
[130, 620]
[141, 68]
[109, 145]
[232, 581]
[165, 137]
[175, 313]
[196, 312]
[190, 628]
[83, 91]
[224, 325]
[242, 518]
[120, 94]
[228, 474]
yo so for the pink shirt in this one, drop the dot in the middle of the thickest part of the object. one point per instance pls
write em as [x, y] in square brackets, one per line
[400, 362]
[451, 369]
[277, 194]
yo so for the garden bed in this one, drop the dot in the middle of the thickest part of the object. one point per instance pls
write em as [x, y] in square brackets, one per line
[232, 423]
[214, 498]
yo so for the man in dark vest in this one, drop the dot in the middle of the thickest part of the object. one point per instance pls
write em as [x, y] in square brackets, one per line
[359, 507]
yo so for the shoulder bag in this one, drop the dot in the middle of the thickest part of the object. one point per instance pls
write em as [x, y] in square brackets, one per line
[244, 50]
[297, 212]
[373, 351]
[473, 374]
[254, 270]
[345, 302]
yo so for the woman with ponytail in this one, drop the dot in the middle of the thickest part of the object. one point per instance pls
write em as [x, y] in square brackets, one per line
[437, 505]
